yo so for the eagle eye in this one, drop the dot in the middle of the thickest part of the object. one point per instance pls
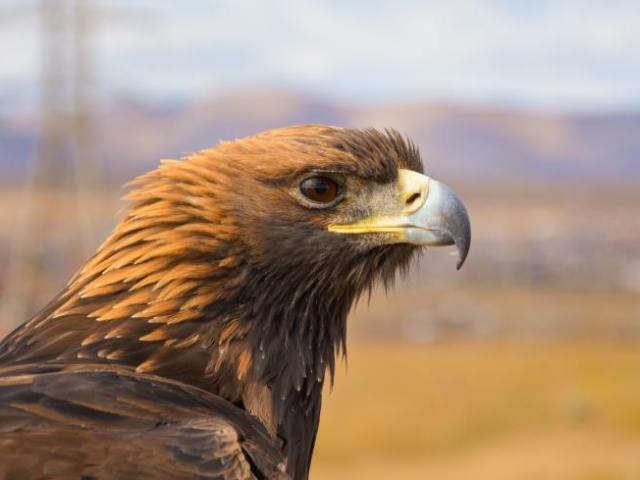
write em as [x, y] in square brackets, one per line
[319, 189]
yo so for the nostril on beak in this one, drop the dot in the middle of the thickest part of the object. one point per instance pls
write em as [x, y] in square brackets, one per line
[413, 198]
[413, 188]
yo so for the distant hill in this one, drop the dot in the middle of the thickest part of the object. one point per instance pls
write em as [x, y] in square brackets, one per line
[466, 142]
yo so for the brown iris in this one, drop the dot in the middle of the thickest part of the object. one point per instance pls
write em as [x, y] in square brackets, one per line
[319, 189]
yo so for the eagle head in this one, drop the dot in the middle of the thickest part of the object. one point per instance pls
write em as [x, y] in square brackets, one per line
[326, 208]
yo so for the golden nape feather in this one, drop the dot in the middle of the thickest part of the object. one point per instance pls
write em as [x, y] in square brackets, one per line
[196, 341]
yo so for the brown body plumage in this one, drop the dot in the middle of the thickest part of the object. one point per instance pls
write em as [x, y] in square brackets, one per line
[220, 288]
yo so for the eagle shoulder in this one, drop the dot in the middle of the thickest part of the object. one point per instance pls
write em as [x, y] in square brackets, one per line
[106, 422]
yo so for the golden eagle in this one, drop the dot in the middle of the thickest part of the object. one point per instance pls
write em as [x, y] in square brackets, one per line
[196, 341]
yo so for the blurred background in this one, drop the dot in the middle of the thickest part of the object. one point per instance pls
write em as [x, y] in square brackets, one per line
[525, 364]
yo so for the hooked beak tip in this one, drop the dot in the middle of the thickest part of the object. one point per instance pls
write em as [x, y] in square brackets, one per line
[445, 213]
[463, 240]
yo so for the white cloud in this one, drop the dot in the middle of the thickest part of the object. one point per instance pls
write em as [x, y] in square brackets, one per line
[569, 54]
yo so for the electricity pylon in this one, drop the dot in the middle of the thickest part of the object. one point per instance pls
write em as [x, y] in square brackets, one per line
[64, 164]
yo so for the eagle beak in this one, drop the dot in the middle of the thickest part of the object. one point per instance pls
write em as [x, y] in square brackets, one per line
[427, 213]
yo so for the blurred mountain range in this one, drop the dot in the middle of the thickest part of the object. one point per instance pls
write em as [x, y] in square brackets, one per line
[466, 142]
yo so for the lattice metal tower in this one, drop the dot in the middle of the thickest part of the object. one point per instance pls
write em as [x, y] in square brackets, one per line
[64, 164]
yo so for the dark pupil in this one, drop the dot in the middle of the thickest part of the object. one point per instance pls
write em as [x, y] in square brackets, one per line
[319, 189]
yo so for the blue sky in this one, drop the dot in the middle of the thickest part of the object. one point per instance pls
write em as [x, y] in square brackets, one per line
[563, 54]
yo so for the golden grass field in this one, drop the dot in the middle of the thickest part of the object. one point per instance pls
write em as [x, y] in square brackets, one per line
[491, 410]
